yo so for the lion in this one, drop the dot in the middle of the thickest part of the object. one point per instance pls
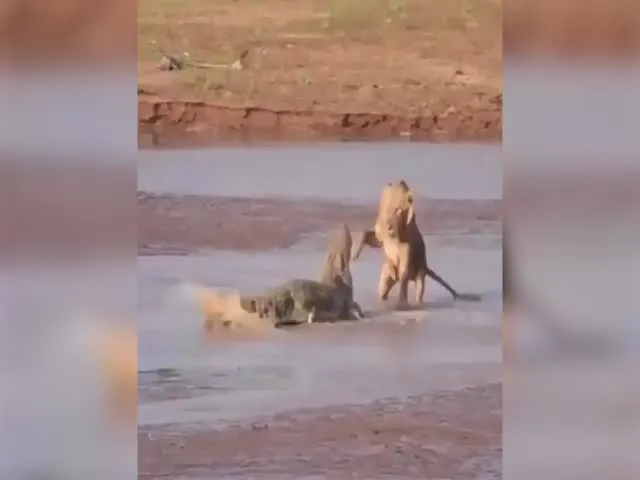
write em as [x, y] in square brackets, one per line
[297, 301]
[397, 233]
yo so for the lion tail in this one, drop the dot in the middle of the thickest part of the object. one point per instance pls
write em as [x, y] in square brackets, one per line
[434, 276]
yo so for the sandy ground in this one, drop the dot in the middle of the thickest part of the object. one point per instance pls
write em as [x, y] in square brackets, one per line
[312, 69]
[453, 435]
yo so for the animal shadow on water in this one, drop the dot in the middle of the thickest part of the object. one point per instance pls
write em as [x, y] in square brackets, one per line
[469, 297]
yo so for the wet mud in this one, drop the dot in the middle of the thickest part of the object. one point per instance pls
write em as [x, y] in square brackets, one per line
[454, 434]
[179, 224]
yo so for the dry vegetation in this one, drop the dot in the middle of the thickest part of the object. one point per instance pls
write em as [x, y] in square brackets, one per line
[405, 57]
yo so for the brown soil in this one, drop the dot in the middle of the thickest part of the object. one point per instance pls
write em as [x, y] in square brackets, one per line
[311, 69]
[572, 29]
[179, 224]
[53, 35]
[448, 435]
[180, 123]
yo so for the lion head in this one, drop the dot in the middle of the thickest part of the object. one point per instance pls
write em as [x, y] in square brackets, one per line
[396, 211]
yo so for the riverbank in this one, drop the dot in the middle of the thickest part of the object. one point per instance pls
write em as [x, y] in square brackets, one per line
[312, 70]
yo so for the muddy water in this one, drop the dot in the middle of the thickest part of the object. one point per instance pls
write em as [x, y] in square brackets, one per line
[187, 379]
[352, 172]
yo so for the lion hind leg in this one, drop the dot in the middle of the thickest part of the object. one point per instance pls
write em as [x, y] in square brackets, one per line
[386, 282]
[420, 287]
[403, 296]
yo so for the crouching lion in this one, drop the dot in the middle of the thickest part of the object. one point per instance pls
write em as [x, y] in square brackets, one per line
[397, 233]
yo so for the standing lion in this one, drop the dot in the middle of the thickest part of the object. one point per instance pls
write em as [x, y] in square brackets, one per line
[397, 233]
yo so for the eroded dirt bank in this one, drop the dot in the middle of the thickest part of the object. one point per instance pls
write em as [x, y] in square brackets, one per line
[182, 223]
[191, 123]
[316, 70]
[448, 435]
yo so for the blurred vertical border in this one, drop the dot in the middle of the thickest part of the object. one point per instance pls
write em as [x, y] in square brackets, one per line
[571, 159]
[68, 139]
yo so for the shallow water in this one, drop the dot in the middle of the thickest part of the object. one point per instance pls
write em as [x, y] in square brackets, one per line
[185, 379]
[350, 172]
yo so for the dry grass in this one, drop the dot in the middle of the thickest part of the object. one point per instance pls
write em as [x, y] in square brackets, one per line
[380, 54]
